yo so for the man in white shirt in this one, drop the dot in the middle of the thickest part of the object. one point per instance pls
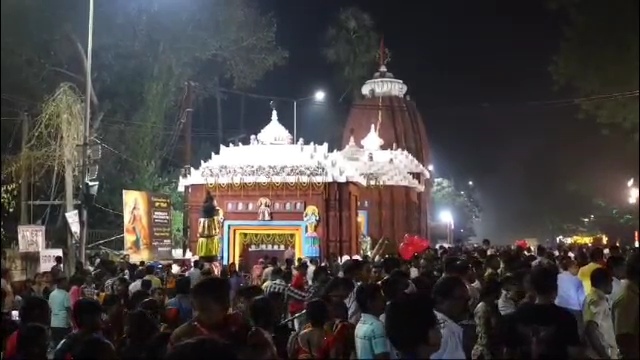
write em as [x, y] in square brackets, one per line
[313, 263]
[137, 284]
[541, 252]
[616, 267]
[451, 306]
[195, 273]
[290, 253]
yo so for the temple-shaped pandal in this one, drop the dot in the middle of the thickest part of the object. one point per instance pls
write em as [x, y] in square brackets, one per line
[275, 195]
[399, 124]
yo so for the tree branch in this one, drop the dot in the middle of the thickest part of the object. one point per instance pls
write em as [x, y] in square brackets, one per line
[66, 72]
[83, 57]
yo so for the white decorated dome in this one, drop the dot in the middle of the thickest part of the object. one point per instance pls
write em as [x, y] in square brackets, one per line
[271, 157]
[274, 133]
[383, 84]
[372, 141]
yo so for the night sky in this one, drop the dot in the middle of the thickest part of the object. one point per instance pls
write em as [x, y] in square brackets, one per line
[477, 71]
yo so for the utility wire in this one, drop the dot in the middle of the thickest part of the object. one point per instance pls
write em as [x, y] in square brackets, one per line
[561, 102]
[108, 210]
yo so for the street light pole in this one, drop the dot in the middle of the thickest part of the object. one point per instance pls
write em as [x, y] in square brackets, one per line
[633, 200]
[295, 121]
[318, 96]
[85, 137]
[447, 218]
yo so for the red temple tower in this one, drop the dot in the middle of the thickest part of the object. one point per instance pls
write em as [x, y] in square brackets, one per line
[392, 211]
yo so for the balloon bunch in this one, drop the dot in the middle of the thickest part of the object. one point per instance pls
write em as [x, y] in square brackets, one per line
[412, 245]
[522, 244]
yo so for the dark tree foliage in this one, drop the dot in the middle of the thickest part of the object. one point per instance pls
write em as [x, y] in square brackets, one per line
[461, 202]
[599, 56]
[143, 53]
[352, 45]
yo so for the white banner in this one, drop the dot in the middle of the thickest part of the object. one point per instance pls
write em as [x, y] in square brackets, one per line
[48, 258]
[73, 219]
[30, 238]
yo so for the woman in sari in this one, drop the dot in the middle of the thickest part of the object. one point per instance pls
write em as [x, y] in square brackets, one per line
[341, 343]
[331, 340]
[312, 341]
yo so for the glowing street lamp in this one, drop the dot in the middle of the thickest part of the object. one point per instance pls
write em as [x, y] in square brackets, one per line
[447, 217]
[470, 183]
[319, 95]
[633, 199]
[633, 192]
[430, 167]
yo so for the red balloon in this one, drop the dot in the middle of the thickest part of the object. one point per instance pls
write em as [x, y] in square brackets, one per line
[406, 251]
[412, 245]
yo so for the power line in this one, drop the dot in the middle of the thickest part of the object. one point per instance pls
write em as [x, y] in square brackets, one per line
[566, 102]
[108, 210]
[124, 156]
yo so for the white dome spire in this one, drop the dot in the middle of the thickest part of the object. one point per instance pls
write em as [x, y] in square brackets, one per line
[274, 133]
[383, 84]
[372, 141]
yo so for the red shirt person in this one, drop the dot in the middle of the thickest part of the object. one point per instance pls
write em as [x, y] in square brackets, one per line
[299, 282]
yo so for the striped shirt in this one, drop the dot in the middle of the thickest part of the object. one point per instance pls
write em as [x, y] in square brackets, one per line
[109, 285]
[352, 305]
[279, 286]
[89, 292]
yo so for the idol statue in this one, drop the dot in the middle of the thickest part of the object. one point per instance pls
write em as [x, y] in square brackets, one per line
[209, 227]
[365, 245]
[311, 218]
[264, 209]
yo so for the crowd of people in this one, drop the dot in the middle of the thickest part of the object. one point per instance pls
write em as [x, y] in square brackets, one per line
[447, 303]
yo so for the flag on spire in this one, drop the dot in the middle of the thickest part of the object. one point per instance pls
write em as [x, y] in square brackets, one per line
[382, 59]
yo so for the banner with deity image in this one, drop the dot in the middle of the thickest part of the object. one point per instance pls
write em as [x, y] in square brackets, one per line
[147, 225]
[31, 238]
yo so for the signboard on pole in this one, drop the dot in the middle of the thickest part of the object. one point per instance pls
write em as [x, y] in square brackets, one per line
[48, 258]
[30, 238]
[73, 219]
[147, 225]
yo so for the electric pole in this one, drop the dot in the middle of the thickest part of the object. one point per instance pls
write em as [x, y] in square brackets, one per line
[219, 112]
[84, 219]
[24, 178]
[186, 116]
[69, 203]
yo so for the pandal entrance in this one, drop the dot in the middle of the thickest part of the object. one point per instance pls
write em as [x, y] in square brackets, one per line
[255, 245]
